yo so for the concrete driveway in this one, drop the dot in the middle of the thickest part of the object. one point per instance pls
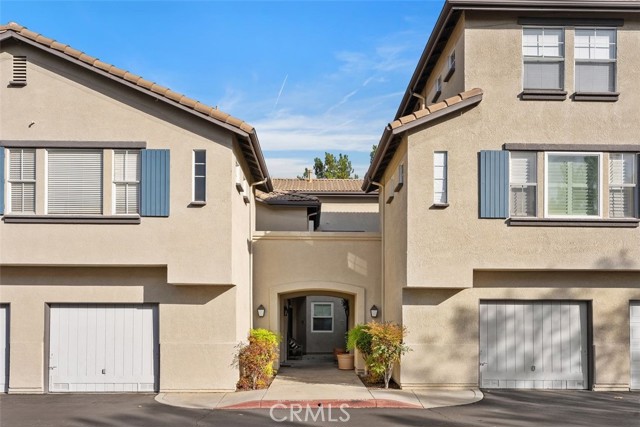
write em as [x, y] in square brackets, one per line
[499, 408]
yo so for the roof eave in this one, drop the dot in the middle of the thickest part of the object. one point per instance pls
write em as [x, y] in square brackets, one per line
[390, 133]
[250, 136]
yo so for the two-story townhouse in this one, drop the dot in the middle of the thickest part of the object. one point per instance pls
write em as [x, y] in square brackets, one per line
[124, 263]
[511, 251]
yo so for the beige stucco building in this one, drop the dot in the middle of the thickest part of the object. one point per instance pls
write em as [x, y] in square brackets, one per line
[142, 236]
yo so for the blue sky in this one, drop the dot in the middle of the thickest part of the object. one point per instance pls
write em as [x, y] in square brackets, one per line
[310, 76]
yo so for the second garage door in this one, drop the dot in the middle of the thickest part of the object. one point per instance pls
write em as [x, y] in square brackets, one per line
[526, 344]
[634, 344]
[103, 348]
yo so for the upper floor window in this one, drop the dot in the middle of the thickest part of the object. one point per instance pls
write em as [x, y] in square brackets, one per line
[573, 187]
[126, 181]
[451, 63]
[523, 184]
[438, 89]
[22, 180]
[622, 185]
[440, 177]
[74, 181]
[595, 55]
[199, 175]
[543, 56]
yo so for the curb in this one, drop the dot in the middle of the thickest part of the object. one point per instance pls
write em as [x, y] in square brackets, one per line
[352, 404]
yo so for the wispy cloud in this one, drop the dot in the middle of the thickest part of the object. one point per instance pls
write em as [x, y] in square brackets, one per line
[286, 167]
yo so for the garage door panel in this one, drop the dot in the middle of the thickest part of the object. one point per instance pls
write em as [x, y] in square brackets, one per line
[102, 348]
[533, 345]
[4, 348]
[634, 344]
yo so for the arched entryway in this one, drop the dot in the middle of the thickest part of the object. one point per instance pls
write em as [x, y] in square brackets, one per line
[317, 295]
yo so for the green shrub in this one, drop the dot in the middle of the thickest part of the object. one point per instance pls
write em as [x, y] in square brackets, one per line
[386, 348]
[256, 359]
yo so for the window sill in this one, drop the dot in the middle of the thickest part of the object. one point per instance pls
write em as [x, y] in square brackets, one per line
[596, 96]
[72, 219]
[436, 96]
[449, 74]
[17, 84]
[543, 95]
[440, 205]
[559, 222]
[198, 204]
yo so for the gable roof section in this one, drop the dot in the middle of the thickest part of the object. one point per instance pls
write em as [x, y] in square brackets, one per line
[321, 186]
[392, 135]
[452, 10]
[246, 134]
[287, 198]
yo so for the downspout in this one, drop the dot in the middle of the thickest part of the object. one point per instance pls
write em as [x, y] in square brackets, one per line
[251, 228]
[381, 196]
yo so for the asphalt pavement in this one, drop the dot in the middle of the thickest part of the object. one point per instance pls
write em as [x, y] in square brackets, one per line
[498, 408]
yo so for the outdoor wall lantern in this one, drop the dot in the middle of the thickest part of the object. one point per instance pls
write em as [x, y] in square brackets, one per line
[261, 310]
[374, 311]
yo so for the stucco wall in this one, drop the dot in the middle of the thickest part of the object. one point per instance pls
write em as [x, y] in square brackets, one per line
[272, 218]
[325, 342]
[346, 213]
[68, 103]
[196, 323]
[443, 324]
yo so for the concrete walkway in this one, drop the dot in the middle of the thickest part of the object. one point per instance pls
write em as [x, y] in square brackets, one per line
[316, 381]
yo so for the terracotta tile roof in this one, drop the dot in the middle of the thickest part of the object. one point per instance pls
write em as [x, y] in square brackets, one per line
[278, 197]
[128, 76]
[315, 186]
[245, 131]
[390, 139]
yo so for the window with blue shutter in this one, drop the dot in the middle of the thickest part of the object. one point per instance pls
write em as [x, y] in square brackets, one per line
[1, 181]
[154, 183]
[494, 184]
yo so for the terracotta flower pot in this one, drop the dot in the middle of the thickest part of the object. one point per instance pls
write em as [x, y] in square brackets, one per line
[345, 361]
[336, 352]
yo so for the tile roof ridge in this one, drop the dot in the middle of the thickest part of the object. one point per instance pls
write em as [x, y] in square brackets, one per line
[125, 75]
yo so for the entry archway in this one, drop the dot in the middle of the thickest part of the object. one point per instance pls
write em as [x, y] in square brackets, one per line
[277, 293]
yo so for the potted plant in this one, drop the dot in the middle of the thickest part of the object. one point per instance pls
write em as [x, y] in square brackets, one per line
[358, 338]
[345, 361]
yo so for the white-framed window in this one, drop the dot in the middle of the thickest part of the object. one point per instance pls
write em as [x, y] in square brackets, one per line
[543, 58]
[595, 56]
[239, 178]
[523, 178]
[74, 181]
[199, 175]
[438, 87]
[22, 180]
[321, 317]
[622, 185]
[126, 181]
[451, 61]
[440, 166]
[573, 185]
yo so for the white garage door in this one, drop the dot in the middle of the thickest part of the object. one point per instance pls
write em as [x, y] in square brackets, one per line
[103, 348]
[635, 345]
[525, 344]
[4, 348]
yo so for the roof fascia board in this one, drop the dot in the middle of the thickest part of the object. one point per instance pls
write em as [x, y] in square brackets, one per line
[437, 114]
[389, 134]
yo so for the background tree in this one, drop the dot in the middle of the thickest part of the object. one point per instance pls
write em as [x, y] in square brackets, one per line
[332, 167]
[373, 153]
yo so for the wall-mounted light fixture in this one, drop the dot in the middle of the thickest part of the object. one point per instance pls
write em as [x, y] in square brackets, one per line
[374, 311]
[261, 310]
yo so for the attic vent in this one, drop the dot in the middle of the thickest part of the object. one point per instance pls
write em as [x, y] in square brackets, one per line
[19, 71]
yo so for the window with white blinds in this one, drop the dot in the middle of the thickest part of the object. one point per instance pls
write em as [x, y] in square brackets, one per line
[595, 53]
[22, 180]
[126, 181]
[543, 57]
[74, 181]
[523, 184]
[573, 184]
[440, 177]
[622, 185]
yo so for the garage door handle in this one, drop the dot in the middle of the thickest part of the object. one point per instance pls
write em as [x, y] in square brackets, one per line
[104, 371]
[483, 363]
[51, 368]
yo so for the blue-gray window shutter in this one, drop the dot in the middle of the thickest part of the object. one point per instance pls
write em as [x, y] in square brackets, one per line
[1, 180]
[154, 183]
[494, 184]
